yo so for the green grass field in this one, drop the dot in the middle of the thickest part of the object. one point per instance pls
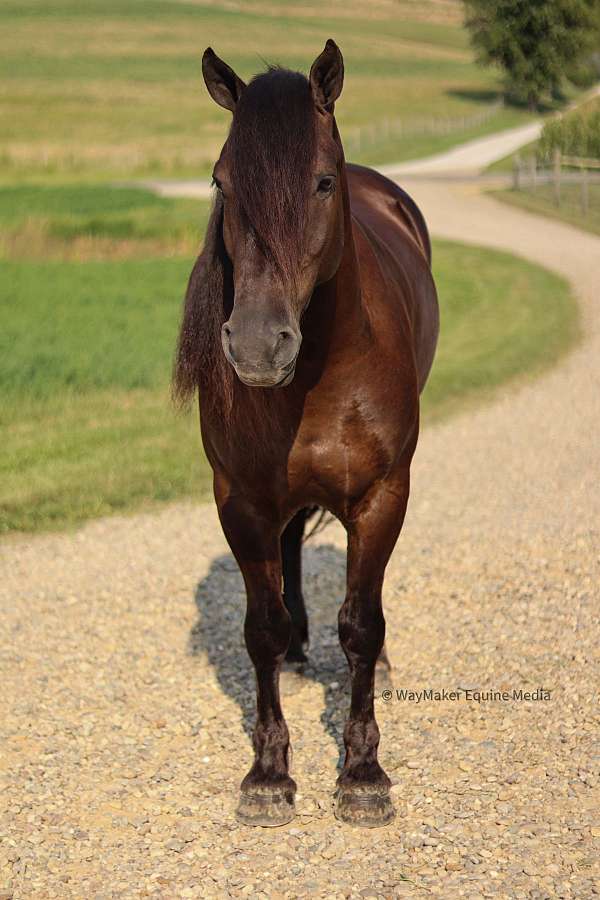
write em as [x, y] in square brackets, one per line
[92, 221]
[113, 88]
[88, 335]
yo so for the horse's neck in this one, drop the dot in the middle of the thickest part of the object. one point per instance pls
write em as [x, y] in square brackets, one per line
[335, 321]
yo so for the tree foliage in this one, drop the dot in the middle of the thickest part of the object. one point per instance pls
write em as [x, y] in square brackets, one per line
[574, 134]
[535, 42]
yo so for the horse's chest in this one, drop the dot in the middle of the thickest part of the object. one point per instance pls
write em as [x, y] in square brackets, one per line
[340, 443]
[335, 459]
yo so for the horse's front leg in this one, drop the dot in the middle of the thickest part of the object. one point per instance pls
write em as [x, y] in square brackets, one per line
[267, 791]
[363, 793]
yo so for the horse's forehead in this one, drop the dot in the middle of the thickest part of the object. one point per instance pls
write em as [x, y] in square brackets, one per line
[326, 146]
[327, 149]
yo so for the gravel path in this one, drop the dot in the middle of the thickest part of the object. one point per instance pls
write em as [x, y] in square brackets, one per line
[472, 156]
[127, 696]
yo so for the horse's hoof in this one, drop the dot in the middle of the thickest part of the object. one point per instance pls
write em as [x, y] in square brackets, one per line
[368, 806]
[267, 807]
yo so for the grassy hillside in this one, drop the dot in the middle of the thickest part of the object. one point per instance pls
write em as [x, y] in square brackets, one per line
[109, 88]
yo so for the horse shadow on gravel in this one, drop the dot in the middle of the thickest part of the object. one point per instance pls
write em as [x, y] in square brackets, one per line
[218, 635]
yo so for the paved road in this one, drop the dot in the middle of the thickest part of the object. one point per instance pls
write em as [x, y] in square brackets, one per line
[126, 694]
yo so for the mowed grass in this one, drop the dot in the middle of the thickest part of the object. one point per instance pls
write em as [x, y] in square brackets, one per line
[85, 358]
[502, 319]
[111, 88]
[95, 221]
[87, 343]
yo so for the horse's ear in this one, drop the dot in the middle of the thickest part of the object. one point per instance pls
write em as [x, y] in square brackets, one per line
[327, 76]
[223, 84]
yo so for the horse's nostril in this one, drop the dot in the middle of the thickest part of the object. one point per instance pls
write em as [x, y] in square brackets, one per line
[286, 335]
[285, 349]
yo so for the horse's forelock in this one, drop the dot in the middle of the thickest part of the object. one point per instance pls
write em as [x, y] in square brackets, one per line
[272, 145]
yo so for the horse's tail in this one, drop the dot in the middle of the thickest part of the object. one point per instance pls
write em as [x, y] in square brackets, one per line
[323, 519]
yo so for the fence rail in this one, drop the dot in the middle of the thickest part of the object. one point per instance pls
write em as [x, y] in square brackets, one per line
[579, 162]
[527, 173]
[365, 136]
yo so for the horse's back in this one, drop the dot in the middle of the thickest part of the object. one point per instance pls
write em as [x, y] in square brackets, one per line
[396, 230]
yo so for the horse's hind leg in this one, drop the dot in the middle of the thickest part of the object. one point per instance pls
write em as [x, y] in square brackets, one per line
[291, 558]
[383, 671]
[363, 793]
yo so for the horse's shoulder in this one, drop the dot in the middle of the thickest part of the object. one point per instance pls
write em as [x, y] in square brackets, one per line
[386, 209]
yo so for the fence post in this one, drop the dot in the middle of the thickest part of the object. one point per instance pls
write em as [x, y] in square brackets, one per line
[557, 168]
[517, 173]
[585, 195]
[533, 171]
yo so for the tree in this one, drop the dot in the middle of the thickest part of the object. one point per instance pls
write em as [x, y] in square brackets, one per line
[535, 42]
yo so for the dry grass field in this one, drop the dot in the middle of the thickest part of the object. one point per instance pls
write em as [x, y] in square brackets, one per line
[113, 87]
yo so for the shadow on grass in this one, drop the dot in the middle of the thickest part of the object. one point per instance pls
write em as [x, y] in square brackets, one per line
[473, 95]
[218, 634]
[486, 97]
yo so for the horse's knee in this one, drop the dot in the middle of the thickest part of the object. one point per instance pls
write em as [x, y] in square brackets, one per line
[361, 627]
[267, 630]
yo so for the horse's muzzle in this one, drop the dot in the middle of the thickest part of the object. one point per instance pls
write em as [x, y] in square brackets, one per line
[277, 378]
[262, 357]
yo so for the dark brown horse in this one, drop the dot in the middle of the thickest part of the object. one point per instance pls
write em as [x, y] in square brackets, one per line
[309, 329]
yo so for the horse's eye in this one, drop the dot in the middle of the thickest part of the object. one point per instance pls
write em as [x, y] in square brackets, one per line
[326, 186]
[216, 183]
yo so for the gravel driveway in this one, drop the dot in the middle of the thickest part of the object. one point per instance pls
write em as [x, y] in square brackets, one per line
[127, 696]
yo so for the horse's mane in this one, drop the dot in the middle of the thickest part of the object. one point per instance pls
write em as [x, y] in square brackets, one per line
[199, 359]
[271, 146]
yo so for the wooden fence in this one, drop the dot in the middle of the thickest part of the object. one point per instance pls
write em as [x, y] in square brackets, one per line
[362, 137]
[528, 173]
